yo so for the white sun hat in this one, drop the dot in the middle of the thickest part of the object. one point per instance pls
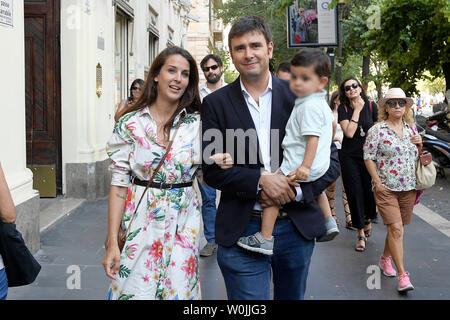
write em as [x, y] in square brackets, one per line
[395, 93]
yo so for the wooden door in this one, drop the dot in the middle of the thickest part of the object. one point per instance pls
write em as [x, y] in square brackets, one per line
[42, 91]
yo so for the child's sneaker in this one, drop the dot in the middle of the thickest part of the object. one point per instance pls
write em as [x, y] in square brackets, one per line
[257, 243]
[386, 265]
[332, 230]
[404, 284]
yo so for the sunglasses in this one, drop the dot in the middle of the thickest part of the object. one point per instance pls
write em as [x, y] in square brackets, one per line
[354, 86]
[206, 69]
[136, 88]
[393, 104]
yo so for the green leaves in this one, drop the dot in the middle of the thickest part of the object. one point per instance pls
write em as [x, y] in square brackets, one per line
[124, 272]
[132, 235]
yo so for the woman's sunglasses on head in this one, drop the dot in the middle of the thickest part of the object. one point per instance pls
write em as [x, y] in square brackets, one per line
[393, 104]
[353, 86]
[206, 69]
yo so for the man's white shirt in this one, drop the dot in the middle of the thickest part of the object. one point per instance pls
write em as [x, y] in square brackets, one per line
[261, 114]
[204, 90]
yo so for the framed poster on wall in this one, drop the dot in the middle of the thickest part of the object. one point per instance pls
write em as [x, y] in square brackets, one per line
[311, 24]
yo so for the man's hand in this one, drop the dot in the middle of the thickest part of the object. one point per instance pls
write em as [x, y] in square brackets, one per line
[265, 201]
[278, 188]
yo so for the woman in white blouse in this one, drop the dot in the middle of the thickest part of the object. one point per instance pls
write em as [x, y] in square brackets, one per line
[160, 257]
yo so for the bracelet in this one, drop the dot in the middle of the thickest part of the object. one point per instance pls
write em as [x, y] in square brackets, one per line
[354, 121]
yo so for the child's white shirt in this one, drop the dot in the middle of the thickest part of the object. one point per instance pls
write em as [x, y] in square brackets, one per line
[311, 116]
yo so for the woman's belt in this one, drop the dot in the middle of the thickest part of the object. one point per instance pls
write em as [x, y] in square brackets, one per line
[161, 185]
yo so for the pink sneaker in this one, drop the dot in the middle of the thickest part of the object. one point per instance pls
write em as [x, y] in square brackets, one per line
[386, 265]
[403, 283]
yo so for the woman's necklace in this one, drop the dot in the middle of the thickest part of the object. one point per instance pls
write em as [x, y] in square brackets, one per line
[159, 126]
[398, 129]
[362, 133]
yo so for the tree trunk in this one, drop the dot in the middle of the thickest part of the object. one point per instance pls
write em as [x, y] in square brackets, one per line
[365, 71]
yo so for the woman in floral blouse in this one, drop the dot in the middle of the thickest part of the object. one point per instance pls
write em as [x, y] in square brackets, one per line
[390, 155]
[160, 257]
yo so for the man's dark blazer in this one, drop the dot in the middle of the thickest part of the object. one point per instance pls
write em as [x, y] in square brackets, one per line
[225, 109]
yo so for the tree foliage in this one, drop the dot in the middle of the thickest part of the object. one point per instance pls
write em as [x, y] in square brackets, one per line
[413, 38]
[233, 9]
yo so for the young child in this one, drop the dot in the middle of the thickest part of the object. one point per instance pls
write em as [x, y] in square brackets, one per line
[307, 142]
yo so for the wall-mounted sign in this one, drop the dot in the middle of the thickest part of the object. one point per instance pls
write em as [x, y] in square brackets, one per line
[311, 24]
[100, 43]
[6, 13]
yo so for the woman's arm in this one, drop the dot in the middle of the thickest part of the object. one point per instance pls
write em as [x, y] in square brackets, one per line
[372, 169]
[119, 108]
[116, 205]
[349, 127]
[7, 208]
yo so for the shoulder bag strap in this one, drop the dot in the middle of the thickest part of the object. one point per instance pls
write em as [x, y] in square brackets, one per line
[169, 145]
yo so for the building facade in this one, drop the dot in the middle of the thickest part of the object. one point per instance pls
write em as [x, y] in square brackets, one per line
[67, 65]
[206, 33]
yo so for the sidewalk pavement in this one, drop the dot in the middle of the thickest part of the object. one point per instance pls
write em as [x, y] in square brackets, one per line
[337, 271]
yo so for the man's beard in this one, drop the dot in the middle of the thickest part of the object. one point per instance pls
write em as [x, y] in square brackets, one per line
[214, 78]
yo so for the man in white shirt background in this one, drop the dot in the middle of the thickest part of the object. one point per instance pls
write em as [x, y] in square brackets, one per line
[212, 68]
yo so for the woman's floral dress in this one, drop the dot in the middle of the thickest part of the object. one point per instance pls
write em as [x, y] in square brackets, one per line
[160, 256]
[395, 156]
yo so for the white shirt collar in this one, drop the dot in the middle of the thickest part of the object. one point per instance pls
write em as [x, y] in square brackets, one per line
[205, 86]
[245, 92]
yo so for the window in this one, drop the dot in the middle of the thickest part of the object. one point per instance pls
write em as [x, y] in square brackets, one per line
[121, 57]
[152, 47]
[153, 36]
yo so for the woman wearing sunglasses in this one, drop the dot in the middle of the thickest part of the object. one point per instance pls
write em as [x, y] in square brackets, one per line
[356, 115]
[135, 92]
[390, 154]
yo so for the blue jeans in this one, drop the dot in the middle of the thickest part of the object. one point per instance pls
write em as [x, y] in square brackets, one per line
[247, 274]
[208, 211]
[3, 285]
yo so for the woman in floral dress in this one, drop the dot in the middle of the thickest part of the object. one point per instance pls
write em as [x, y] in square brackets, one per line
[390, 154]
[160, 257]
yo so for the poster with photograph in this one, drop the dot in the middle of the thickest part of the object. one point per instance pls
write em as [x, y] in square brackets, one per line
[311, 24]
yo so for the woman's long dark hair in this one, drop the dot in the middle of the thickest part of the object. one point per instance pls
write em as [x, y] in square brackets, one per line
[138, 81]
[334, 95]
[343, 98]
[190, 100]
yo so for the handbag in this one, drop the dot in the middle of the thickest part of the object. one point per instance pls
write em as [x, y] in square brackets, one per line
[425, 170]
[122, 235]
[20, 265]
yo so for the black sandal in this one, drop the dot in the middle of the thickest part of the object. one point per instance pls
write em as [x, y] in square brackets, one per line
[359, 247]
[349, 225]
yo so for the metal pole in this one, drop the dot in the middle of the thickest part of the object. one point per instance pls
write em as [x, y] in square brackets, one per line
[339, 64]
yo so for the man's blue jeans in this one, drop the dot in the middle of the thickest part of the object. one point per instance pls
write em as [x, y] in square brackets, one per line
[247, 274]
[208, 211]
[3, 284]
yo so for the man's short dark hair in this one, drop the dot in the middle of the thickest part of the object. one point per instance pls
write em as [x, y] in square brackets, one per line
[313, 57]
[211, 56]
[247, 24]
[284, 67]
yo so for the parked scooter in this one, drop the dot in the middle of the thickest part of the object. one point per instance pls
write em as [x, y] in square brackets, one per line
[436, 142]
[440, 119]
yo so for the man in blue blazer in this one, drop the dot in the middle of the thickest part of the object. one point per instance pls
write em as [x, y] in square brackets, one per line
[247, 119]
